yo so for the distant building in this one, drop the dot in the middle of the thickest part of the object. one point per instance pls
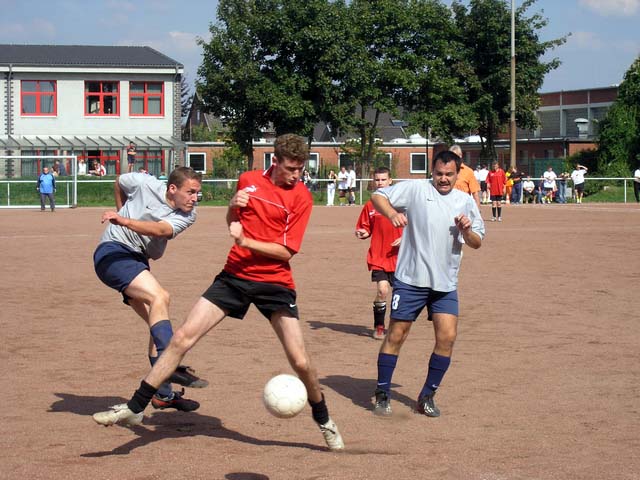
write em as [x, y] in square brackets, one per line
[569, 123]
[90, 101]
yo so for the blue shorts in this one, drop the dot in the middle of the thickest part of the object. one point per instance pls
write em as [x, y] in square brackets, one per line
[117, 265]
[408, 301]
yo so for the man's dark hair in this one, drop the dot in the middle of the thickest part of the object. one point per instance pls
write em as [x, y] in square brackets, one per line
[382, 169]
[181, 174]
[445, 157]
[291, 146]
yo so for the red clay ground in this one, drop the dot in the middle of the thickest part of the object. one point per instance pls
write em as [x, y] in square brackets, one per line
[544, 382]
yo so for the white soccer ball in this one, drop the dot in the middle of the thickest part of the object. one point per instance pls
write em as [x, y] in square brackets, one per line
[284, 396]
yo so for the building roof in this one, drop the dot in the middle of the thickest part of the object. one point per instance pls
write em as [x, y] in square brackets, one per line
[84, 56]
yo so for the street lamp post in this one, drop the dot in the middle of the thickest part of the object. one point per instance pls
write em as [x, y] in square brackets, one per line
[512, 120]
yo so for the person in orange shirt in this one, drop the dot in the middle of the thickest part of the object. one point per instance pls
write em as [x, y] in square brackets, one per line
[466, 179]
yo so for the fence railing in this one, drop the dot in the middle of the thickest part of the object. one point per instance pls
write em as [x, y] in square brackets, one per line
[99, 192]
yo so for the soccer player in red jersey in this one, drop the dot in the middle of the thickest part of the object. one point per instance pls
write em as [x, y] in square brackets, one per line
[497, 183]
[383, 250]
[267, 218]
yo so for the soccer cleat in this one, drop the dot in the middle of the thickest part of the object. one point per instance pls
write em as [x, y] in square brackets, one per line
[382, 405]
[426, 406]
[174, 401]
[493, 219]
[379, 332]
[118, 414]
[499, 219]
[185, 376]
[332, 435]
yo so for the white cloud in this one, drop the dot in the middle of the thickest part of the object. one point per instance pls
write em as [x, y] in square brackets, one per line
[612, 7]
[585, 41]
[183, 40]
[37, 30]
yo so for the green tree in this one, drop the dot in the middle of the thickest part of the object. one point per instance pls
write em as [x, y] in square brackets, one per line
[185, 96]
[485, 33]
[233, 84]
[619, 146]
[230, 163]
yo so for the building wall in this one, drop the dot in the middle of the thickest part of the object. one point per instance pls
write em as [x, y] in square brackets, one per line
[71, 119]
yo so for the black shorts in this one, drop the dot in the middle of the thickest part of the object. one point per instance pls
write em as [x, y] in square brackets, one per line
[235, 295]
[483, 186]
[579, 187]
[496, 198]
[379, 275]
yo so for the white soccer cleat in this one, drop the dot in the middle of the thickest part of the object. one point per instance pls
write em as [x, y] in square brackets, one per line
[118, 414]
[332, 436]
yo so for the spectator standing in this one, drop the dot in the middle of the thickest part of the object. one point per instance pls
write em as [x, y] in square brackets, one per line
[516, 191]
[331, 187]
[636, 184]
[343, 186]
[549, 184]
[82, 167]
[46, 187]
[562, 186]
[383, 250]
[352, 186]
[131, 156]
[482, 178]
[466, 182]
[577, 176]
[497, 184]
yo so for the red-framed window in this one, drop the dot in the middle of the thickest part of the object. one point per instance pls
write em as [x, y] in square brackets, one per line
[101, 99]
[38, 97]
[146, 99]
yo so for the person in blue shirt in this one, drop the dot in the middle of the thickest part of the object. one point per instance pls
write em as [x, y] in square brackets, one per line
[47, 187]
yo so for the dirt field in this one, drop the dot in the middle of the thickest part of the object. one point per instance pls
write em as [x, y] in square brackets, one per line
[544, 383]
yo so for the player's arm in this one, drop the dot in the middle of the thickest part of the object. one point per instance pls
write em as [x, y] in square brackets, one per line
[268, 249]
[142, 227]
[238, 201]
[363, 227]
[471, 238]
[383, 205]
[119, 194]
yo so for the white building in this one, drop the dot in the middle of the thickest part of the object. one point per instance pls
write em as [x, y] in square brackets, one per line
[90, 101]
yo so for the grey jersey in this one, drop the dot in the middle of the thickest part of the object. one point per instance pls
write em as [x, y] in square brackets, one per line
[147, 202]
[431, 247]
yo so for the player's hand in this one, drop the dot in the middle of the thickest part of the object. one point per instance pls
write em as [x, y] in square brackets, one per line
[237, 233]
[239, 200]
[361, 234]
[462, 222]
[111, 216]
[399, 219]
[396, 242]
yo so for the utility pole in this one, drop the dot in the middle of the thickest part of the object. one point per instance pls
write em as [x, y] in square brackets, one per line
[512, 120]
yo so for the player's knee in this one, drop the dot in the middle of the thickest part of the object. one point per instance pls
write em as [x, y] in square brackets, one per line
[301, 365]
[162, 297]
[181, 341]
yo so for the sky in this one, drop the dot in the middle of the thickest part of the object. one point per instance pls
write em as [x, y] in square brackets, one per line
[604, 36]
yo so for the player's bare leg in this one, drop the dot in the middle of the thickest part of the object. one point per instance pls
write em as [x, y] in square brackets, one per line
[290, 335]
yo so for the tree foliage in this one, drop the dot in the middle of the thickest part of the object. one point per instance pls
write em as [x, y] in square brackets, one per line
[485, 32]
[619, 148]
[185, 96]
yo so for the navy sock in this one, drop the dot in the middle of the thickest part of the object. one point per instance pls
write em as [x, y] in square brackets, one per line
[438, 366]
[165, 389]
[141, 397]
[386, 366]
[319, 411]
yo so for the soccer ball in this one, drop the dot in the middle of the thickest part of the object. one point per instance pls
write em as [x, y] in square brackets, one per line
[284, 396]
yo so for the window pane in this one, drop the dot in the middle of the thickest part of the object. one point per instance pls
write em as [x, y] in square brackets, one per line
[418, 162]
[154, 106]
[46, 104]
[93, 104]
[110, 105]
[29, 86]
[154, 87]
[47, 86]
[28, 104]
[109, 87]
[137, 87]
[137, 105]
[92, 86]
[197, 161]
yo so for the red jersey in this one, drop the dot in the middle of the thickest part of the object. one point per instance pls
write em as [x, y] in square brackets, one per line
[381, 255]
[496, 180]
[274, 214]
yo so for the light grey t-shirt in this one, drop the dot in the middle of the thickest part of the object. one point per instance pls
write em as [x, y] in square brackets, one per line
[147, 202]
[431, 247]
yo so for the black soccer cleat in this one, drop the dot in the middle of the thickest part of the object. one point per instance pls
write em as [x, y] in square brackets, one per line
[426, 406]
[176, 400]
[185, 376]
[382, 404]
